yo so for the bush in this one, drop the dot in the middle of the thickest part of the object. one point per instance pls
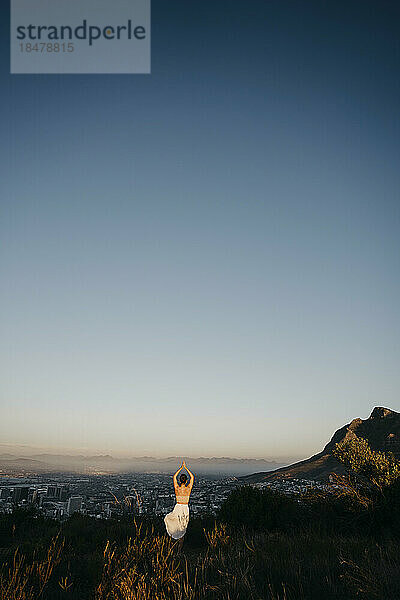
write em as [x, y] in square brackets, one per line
[386, 514]
[259, 509]
[379, 468]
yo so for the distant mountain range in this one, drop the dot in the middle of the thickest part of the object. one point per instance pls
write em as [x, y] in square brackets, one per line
[41, 463]
[381, 430]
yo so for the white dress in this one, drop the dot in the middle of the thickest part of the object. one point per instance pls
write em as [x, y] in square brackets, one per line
[177, 521]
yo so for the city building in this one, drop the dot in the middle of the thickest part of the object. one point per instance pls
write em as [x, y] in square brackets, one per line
[19, 494]
[74, 504]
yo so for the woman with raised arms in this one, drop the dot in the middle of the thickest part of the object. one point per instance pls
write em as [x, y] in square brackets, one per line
[176, 521]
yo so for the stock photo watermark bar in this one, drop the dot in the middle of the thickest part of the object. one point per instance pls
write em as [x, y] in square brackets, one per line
[89, 36]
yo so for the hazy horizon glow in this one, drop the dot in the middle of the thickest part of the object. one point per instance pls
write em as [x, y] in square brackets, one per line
[29, 451]
[205, 261]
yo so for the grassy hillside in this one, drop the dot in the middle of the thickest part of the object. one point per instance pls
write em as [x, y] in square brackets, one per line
[262, 546]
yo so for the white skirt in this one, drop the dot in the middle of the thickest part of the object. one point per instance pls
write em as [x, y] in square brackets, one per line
[176, 521]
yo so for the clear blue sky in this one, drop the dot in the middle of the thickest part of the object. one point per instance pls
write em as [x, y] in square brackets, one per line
[205, 260]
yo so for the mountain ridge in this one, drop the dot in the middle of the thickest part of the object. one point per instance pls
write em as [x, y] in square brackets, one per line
[44, 462]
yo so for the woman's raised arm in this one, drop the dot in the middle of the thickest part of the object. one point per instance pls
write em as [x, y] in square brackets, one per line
[176, 484]
[190, 473]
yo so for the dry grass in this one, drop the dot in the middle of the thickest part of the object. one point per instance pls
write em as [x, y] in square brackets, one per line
[376, 574]
[239, 566]
[27, 580]
[234, 565]
[147, 567]
[218, 536]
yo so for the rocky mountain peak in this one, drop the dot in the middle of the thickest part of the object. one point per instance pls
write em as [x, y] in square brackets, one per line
[380, 412]
[381, 430]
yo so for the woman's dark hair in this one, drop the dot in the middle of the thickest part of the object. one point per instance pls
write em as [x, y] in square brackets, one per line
[182, 478]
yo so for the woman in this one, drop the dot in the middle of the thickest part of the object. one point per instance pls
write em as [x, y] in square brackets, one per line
[177, 520]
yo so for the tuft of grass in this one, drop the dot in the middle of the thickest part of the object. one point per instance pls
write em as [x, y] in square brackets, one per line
[217, 536]
[376, 574]
[146, 567]
[27, 580]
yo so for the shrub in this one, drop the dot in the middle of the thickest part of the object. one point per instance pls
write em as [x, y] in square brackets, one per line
[259, 509]
[379, 468]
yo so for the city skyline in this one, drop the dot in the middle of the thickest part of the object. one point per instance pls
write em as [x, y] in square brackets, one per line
[204, 261]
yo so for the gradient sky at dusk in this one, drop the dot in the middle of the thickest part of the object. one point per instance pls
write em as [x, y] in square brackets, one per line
[205, 260]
